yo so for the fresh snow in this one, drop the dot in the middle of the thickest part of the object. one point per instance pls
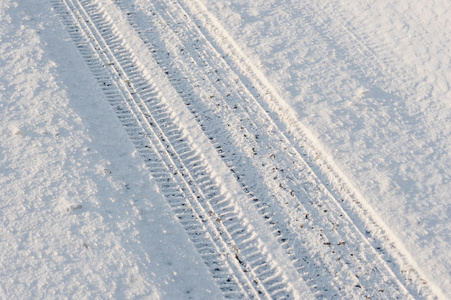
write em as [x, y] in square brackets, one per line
[81, 214]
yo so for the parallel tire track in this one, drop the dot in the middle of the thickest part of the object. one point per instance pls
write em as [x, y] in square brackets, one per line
[348, 200]
[179, 170]
[374, 267]
[324, 235]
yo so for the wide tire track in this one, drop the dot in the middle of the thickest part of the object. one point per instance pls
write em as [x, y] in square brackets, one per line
[179, 170]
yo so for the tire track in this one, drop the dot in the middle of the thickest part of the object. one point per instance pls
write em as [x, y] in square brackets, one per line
[373, 266]
[179, 170]
[361, 217]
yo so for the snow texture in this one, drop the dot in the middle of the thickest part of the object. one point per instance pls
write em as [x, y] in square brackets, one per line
[81, 216]
[371, 80]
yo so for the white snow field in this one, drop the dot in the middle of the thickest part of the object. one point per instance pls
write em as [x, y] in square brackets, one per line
[225, 149]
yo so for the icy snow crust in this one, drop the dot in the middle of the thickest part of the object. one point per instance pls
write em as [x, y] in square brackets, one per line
[224, 149]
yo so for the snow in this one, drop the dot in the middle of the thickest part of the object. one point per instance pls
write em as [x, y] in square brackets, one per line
[81, 216]
[371, 80]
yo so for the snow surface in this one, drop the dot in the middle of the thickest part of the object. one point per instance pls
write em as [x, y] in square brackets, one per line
[78, 216]
[370, 79]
